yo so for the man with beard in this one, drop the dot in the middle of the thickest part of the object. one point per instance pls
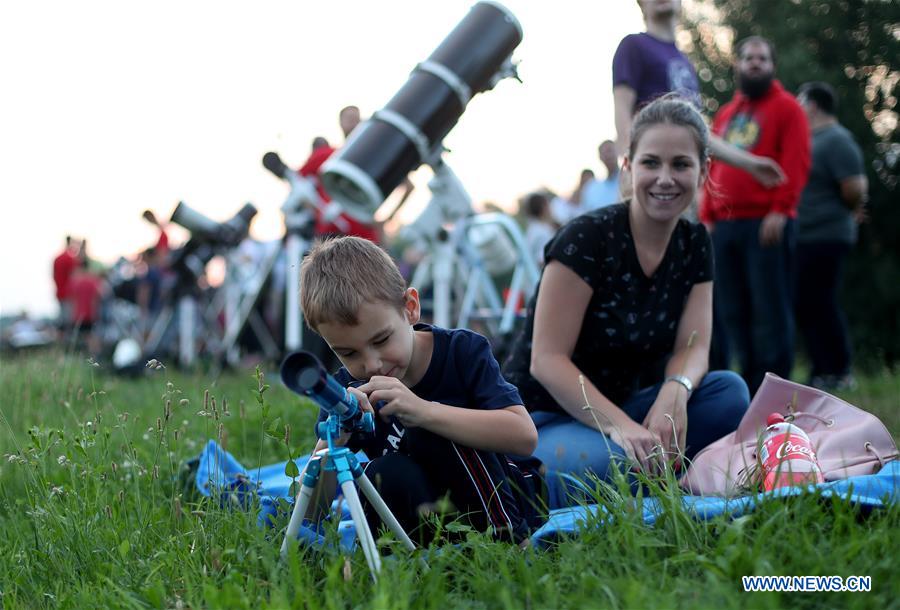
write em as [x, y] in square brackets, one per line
[752, 225]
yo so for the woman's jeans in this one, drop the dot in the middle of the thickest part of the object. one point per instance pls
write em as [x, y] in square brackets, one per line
[568, 446]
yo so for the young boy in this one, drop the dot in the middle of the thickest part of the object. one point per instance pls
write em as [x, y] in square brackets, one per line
[446, 414]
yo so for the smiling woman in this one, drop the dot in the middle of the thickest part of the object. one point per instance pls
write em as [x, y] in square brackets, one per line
[668, 167]
[626, 292]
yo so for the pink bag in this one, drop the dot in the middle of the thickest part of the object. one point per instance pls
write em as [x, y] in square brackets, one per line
[847, 440]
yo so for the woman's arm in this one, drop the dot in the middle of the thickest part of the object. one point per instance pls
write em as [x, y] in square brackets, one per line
[561, 305]
[690, 358]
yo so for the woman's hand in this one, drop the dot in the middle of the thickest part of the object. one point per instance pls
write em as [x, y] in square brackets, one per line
[671, 402]
[638, 442]
[400, 402]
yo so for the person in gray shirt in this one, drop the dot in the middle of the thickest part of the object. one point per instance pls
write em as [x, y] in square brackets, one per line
[831, 205]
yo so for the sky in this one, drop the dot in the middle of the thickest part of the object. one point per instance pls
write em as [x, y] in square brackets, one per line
[113, 107]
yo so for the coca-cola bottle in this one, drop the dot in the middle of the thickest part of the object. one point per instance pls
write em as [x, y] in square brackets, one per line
[786, 455]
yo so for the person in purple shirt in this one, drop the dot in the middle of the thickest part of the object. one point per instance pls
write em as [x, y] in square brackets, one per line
[649, 65]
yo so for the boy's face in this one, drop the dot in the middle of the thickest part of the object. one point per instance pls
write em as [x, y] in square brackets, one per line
[381, 343]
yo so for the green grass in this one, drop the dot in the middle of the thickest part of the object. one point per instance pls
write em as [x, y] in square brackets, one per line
[92, 514]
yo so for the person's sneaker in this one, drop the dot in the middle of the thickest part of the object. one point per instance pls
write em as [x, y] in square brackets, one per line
[821, 382]
[834, 383]
[846, 383]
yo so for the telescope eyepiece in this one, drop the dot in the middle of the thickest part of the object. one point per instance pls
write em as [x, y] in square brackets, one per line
[272, 162]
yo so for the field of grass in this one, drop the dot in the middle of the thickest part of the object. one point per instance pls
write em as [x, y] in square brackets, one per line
[92, 514]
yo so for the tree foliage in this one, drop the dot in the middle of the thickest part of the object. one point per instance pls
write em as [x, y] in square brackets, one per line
[854, 45]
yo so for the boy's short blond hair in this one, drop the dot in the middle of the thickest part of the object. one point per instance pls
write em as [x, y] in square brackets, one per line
[340, 274]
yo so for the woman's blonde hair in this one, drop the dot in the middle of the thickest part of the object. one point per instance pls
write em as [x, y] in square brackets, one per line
[671, 109]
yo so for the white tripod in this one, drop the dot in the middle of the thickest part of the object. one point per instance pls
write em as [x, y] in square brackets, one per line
[464, 252]
[349, 475]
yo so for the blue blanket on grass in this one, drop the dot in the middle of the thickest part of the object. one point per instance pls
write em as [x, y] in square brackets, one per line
[218, 472]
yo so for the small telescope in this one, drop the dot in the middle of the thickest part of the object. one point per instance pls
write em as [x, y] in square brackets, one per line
[303, 374]
[226, 234]
[207, 238]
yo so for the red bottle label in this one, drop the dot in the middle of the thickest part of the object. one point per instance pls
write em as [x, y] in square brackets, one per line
[789, 459]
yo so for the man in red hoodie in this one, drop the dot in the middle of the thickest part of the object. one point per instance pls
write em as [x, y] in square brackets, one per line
[753, 226]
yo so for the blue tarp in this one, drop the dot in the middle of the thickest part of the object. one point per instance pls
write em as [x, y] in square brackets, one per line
[220, 473]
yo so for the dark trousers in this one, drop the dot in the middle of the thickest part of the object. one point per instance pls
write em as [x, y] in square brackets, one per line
[753, 299]
[819, 316]
[430, 467]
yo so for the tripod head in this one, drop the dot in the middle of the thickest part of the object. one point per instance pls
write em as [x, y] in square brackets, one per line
[303, 374]
[303, 196]
[449, 202]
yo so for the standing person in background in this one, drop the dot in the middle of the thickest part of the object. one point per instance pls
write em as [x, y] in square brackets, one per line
[599, 193]
[63, 266]
[563, 209]
[648, 65]
[149, 294]
[539, 225]
[753, 226]
[86, 291]
[831, 203]
[162, 243]
[319, 142]
[341, 224]
[82, 254]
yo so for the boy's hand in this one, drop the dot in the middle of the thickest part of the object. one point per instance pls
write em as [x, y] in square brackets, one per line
[399, 401]
[364, 405]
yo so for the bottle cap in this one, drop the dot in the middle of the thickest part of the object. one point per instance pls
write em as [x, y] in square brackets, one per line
[774, 418]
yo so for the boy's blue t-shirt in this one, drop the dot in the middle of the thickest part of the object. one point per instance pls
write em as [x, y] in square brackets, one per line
[462, 373]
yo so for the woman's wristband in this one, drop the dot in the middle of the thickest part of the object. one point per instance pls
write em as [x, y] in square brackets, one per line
[683, 381]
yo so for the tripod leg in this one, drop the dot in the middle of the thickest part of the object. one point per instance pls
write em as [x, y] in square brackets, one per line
[362, 528]
[383, 511]
[293, 324]
[186, 331]
[301, 503]
[158, 332]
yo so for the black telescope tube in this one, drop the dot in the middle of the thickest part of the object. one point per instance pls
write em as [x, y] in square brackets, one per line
[302, 373]
[411, 127]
